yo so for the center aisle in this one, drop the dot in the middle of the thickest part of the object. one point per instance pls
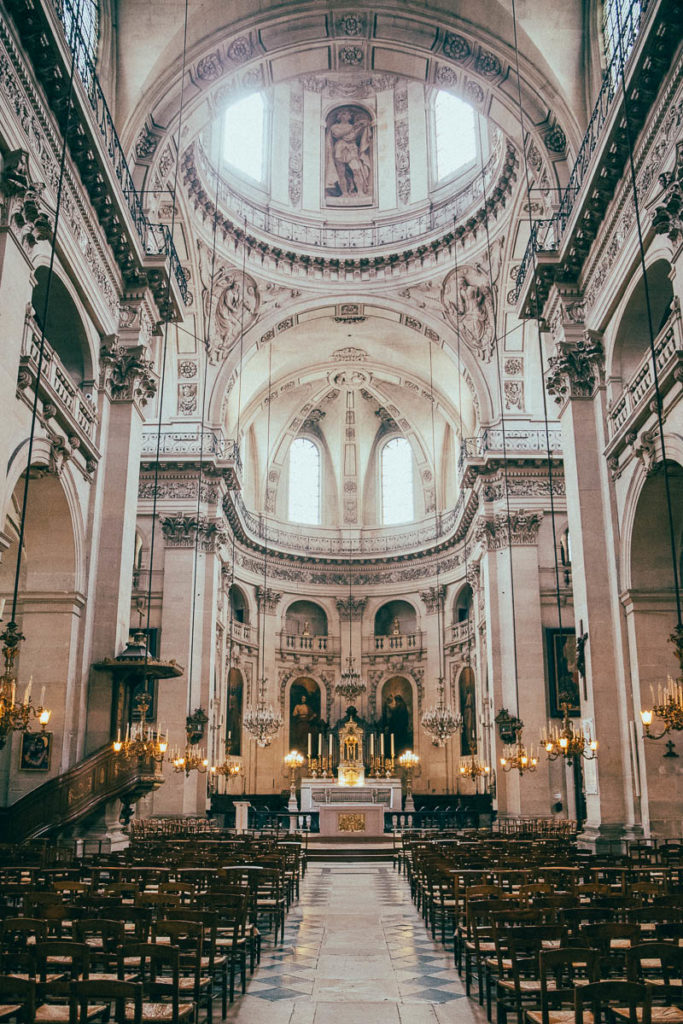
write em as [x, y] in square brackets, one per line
[355, 952]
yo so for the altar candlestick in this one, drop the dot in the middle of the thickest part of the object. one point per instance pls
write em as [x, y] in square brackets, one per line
[320, 745]
[392, 746]
[309, 744]
[381, 744]
[372, 744]
[329, 747]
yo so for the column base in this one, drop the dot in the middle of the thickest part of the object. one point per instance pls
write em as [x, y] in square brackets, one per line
[605, 837]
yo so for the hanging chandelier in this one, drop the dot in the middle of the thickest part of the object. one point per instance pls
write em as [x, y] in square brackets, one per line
[229, 768]
[140, 740]
[668, 708]
[351, 684]
[474, 769]
[441, 722]
[16, 717]
[262, 721]
[192, 759]
[516, 757]
[566, 743]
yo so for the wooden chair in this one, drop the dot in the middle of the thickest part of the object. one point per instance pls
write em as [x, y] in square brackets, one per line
[660, 966]
[214, 961]
[560, 972]
[188, 936]
[518, 982]
[612, 940]
[164, 1000]
[631, 1000]
[17, 999]
[92, 999]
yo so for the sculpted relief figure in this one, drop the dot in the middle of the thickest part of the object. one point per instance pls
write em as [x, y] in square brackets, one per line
[230, 300]
[469, 298]
[349, 157]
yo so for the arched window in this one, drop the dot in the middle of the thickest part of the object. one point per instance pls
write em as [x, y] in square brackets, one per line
[244, 129]
[454, 134]
[397, 482]
[304, 482]
[80, 19]
[619, 17]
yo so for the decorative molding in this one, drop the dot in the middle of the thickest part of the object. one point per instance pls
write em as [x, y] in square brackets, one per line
[187, 399]
[355, 604]
[268, 599]
[230, 302]
[434, 597]
[126, 373]
[184, 530]
[25, 210]
[520, 529]
[576, 369]
[402, 144]
[469, 296]
[668, 214]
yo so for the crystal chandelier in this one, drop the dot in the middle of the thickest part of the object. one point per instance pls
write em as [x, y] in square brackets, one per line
[566, 743]
[262, 721]
[351, 684]
[440, 722]
[474, 768]
[667, 706]
[141, 741]
[15, 717]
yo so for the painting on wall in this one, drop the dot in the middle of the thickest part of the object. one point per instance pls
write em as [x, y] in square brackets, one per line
[35, 751]
[304, 715]
[349, 171]
[397, 714]
[468, 710]
[233, 733]
[563, 672]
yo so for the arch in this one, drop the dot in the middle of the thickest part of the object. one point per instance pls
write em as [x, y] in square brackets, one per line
[304, 476]
[397, 716]
[64, 327]
[650, 549]
[463, 604]
[467, 699]
[305, 714]
[631, 338]
[238, 605]
[234, 709]
[306, 618]
[396, 611]
[397, 481]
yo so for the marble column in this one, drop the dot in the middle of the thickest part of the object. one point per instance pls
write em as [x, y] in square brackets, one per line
[575, 380]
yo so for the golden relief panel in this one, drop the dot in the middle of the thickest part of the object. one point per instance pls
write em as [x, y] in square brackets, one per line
[351, 822]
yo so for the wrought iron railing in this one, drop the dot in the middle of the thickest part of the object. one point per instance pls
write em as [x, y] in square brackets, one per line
[155, 239]
[546, 235]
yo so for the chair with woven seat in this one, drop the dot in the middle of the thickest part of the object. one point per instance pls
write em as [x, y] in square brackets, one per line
[17, 999]
[214, 961]
[188, 936]
[90, 1000]
[165, 999]
[517, 970]
[270, 900]
[560, 971]
[18, 936]
[631, 1000]
[71, 961]
[660, 966]
[612, 940]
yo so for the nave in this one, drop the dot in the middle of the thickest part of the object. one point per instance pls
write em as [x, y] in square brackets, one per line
[355, 951]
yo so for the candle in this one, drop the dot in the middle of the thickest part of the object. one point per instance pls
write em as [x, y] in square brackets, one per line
[329, 745]
[320, 745]
[381, 745]
[118, 737]
[2, 606]
[309, 744]
[372, 744]
[392, 746]
[42, 697]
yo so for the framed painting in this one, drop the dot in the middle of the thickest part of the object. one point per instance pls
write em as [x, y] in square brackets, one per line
[35, 751]
[563, 673]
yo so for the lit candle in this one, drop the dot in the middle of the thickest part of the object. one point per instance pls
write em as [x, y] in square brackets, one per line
[128, 731]
[381, 744]
[118, 737]
[392, 746]
[309, 744]
[329, 745]
[372, 744]
[320, 745]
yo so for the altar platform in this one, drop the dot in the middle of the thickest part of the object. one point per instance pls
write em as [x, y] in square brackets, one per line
[346, 810]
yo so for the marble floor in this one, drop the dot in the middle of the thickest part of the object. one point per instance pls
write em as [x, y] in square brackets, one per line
[355, 952]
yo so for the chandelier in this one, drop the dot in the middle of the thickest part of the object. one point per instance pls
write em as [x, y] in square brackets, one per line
[15, 717]
[474, 768]
[566, 743]
[229, 768]
[262, 721]
[440, 722]
[516, 757]
[140, 740]
[192, 759]
[668, 708]
[351, 684]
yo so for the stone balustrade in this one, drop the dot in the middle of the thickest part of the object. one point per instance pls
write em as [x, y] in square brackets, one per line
[296, 643]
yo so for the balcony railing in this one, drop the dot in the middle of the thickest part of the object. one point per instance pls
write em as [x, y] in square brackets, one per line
[460, 632]
[296, 643]
[635, 400]
[187, 445]
[61, 396]
[393, 643]
[547, 235]
[242, 633]
[490, 441]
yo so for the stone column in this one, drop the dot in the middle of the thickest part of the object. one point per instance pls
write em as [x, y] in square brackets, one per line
[188, 634]
[268, 761]
[436, 769]
[576, 381]
[126, 385]
[515, 657]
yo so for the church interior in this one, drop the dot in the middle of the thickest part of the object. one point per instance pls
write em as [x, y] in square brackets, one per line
[327, 670]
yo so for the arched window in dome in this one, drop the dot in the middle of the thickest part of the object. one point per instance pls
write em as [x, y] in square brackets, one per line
[244, 131]
[619, 17]
[396, 467]
[455, 141]
[81, 21]
[304, 482]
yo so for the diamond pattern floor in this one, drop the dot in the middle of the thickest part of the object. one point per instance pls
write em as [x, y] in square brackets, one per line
[355, 952]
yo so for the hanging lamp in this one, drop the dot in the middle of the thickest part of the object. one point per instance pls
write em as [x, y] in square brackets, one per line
[351, 684]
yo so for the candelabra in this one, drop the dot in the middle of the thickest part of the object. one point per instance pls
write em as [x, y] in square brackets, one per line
[517, 757]
[440, 721]
[229, 768]
[381, 767]
[351, 685]
[474, 769]
[409, 762]
[566, 743]
[293, 761]
[141, 741]
[668, 708]
[192, 759]
[262, 721]
[15, 717]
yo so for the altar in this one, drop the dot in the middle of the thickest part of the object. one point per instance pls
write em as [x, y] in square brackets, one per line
[351, 809]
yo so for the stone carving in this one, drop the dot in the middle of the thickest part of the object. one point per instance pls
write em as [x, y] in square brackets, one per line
[350, 56]
[456, 47]
[469, 299]
[348, 89]
[514, 394]
[296, 135]
[520, 529]
[187, 368]
[513, 367]
[230, 301]
[349, 157]
[351, 24]
[402, 144]
[349, 355]
[555, 140]
[576, 369]
[434, 597]
[127, 373]
[184, 489]
[61, 451]
[240, 49]
[473, 576]
[25, 209]
[645, 450]
[146, 144]
[446, 76]
[355, 604]
[487, 64]
[185, 530]
[668, 214]
[268, 599]
[187, 399]
[474, 92]
[209, 68]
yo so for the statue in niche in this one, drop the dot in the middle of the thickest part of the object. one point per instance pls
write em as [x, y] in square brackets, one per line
[469, 297]
[468, 735]
[349, 161]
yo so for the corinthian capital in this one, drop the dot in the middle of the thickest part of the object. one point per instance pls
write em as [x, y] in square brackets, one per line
[668, 214]
[127, 373]
[353, 606]
[434, 597]
[25, 210]
[576, 369]
[268, 599]
[520, 529]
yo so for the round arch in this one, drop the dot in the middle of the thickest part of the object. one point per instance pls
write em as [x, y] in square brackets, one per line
[68, 329]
